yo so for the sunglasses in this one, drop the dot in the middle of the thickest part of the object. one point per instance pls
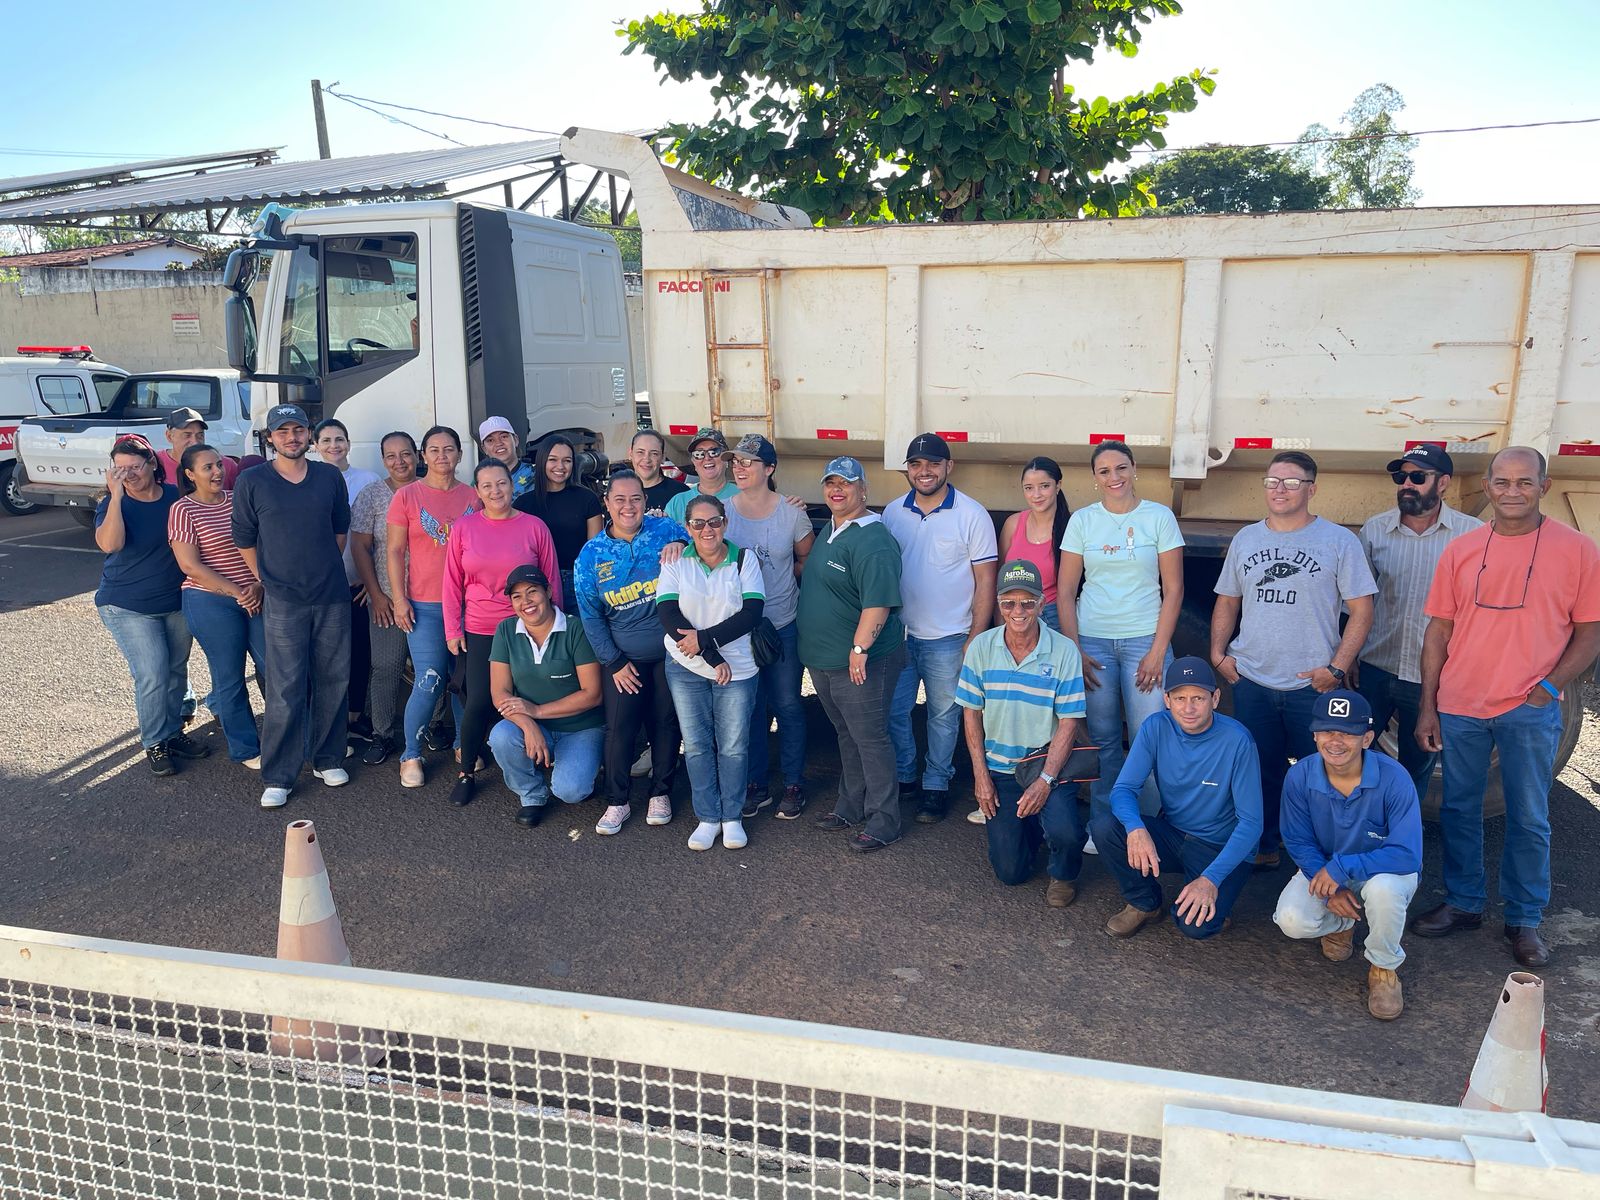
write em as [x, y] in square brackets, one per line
[1272, 483]
[700, 523]
[1527, 580]
[1018, 605]
[702, 455]
[1411, 476]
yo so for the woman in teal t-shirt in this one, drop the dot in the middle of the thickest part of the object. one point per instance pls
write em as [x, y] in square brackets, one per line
[1128, 554]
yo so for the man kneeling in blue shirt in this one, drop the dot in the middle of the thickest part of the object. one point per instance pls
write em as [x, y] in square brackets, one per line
[1353, 826]
[1209, 777]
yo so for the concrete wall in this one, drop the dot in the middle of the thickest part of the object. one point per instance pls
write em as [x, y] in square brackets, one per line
[50, 281]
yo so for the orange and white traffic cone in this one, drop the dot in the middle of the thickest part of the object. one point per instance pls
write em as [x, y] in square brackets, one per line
[1510, 1074]
[309, 931]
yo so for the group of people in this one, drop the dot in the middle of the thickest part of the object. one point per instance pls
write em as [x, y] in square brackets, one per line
[561, 634]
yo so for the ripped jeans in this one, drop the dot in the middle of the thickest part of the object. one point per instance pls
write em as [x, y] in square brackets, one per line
[431, 663]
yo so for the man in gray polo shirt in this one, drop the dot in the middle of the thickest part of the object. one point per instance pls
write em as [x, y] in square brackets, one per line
[1403, 546]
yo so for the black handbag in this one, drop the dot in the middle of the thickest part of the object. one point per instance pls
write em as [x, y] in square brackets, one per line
[765, 644]
[1082, 766]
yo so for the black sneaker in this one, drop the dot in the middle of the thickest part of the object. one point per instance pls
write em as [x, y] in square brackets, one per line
[756, 797]
[792, 804]
[378, 749]
[910, 791]
[530, 814]
[934, 807]
[438, 737]
[181, 745]
[160, 762]
[832, 823]
[461, 794]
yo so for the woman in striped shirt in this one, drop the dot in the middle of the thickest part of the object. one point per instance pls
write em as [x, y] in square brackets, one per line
[221, 598]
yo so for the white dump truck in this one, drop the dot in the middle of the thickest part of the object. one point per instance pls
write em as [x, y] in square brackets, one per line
[1206, 343]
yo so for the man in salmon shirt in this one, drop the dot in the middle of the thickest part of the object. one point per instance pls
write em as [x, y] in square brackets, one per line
[1514, 618]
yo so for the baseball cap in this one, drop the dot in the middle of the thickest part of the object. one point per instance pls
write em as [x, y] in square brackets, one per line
[1427, 456]
[526, 573]
[1189, 672]
[1019, 575]
[928, 445]
[280, 415]
[495, 425]
[753, 445]
[178, 418]
[846, 468]
[707, 434]
[1343, 711]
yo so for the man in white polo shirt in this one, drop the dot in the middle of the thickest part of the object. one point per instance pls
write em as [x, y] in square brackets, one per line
[947, 580]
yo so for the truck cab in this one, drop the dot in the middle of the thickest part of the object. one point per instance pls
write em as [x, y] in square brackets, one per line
[403, 316]
[46, 381]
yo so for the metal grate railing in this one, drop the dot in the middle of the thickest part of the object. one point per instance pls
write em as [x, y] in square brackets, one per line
[142, 1071]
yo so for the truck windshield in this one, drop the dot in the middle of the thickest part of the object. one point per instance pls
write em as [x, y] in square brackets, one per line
[371, 304]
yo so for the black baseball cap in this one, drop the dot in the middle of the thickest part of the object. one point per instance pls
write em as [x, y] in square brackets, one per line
[929, 446]
[526, 573]
[180, 418]
[286, 414]
[753, 445]
[1189, 672]
[1428, 456]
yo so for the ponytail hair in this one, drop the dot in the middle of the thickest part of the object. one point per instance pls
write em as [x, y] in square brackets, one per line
[1058, 525]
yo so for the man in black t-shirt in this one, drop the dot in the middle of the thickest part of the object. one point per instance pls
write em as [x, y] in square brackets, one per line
[290, 518]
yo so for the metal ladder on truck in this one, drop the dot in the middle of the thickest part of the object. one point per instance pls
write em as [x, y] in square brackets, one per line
[715, 347]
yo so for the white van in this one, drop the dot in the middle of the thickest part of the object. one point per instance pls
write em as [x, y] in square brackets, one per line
[47, 381]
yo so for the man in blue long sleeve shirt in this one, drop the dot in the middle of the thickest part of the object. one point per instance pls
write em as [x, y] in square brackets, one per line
[1353, 826]
[1209, 777]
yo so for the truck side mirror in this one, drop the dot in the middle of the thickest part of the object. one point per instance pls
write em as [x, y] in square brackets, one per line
[239, 320]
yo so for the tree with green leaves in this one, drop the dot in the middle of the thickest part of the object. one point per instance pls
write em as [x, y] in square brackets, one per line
[1368, 159]
[1231, 179]
[860, 110]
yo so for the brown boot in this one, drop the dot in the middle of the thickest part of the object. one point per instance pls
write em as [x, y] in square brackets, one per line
[1130, 920]
[1384, 1000]
[1060, 893]
[1336, 946]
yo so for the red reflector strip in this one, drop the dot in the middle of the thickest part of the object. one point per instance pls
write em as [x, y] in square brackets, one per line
[1096, 438]
[832, 435]
[951, 435]
[1583, 449]
[683, 430]
[1252, 443]
[1414, 443]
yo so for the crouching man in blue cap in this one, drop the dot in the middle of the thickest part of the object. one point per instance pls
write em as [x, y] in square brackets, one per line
[1353, 826]
[1209, 777]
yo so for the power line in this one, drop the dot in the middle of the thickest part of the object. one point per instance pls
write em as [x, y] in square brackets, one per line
[393, 120]
[1369, 137]
[72, 153]
[431, 113]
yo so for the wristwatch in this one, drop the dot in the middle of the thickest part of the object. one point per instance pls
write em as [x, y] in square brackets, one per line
[1049, 779]
[1336, 673]
[858, 649]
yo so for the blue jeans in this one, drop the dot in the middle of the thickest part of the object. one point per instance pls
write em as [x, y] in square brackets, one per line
[1118, 700]
[575, 761]
[227, 633]
[307, 677]
[936, 664]
[157, 649]
[1014, 841]
[1391, 696]
[1177, 851]
[715, 722]
[1527, 739]
[431, 664]
[1051, 616]
[1280, 723]
[779, 693]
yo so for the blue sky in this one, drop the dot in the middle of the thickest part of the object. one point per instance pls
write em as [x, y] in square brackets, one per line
[202, 77]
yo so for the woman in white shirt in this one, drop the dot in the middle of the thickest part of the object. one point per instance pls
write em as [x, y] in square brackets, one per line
[708, 601]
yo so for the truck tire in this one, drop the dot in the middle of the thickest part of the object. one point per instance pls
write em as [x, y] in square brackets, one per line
[1494, 796]
[11, 498]
[83, 516]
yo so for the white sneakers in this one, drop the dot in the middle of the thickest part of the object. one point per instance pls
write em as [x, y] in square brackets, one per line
[613, 819]
[705, 835]
[976, 816]
[641, 765]
[411, 773]
[251, 764]
[660, 812]
[274, 797]
[734, 836]
[1089, 847]
[333, 776]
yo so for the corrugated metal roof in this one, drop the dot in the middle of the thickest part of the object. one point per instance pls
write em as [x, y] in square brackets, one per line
[77, 175]
[79, 255]
[317, 179]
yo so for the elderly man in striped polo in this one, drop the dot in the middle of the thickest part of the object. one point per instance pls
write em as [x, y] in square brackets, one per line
[1022, 688]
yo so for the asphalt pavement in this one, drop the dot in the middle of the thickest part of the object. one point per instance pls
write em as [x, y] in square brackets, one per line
[918, 938]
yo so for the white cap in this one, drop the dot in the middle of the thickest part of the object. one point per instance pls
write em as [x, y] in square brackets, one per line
[495, 425]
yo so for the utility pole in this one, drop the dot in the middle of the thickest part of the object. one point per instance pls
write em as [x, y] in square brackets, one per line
[321, 119]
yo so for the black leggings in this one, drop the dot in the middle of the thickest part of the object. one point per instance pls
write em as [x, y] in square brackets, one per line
[650, 710]
[478, 714]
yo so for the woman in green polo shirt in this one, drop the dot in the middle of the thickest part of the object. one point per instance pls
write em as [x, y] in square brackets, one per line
[544, 679]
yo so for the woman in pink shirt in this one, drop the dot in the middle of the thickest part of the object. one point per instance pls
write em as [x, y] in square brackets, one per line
[421, 516]
[484, 548]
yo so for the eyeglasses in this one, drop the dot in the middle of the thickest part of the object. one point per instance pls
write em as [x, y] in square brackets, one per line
[700, 523]
[1272, 483]
[702, 455]
[1526, 581]
[1026, 606]
[746, 463]
[1411, 476]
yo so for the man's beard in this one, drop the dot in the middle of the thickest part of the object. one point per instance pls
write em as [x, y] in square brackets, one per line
[1415, 504]
[297, 452]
